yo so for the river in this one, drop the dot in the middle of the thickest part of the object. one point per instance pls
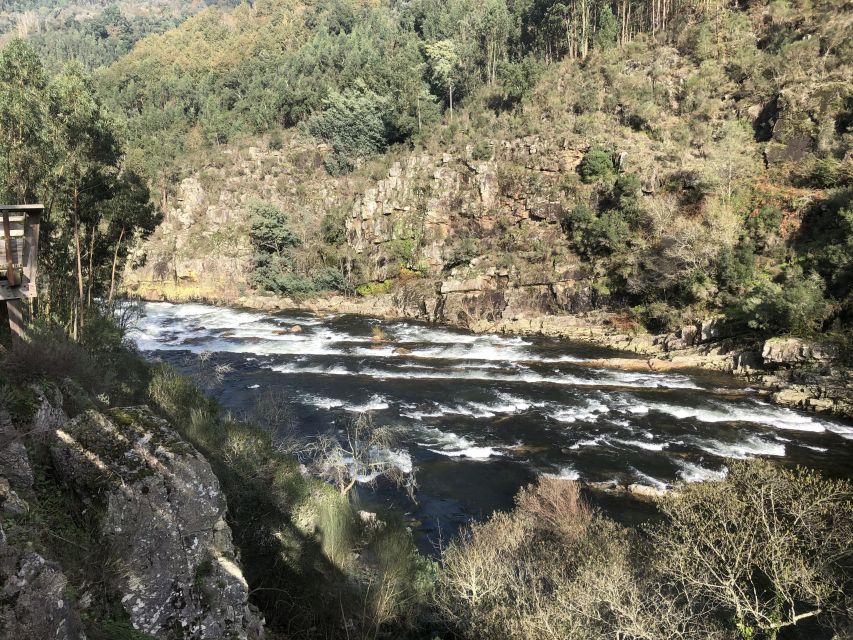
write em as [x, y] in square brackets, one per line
[478, 416]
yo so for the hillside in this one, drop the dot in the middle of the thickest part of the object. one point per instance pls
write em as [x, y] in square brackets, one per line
[703, 170]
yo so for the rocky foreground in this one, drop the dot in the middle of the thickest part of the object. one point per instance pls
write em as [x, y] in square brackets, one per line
[154, 542]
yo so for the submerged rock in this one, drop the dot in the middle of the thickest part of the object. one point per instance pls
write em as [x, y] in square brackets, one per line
[163, 520]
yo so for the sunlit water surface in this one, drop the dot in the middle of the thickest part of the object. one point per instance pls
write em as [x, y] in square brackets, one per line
[478, 416]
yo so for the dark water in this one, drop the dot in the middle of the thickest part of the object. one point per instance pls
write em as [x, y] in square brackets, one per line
[477, 417]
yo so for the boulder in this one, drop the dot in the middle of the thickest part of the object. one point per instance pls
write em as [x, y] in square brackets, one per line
[33, 600]
[296, 329]
[162, 520]
[14, 462]
[645, 491]
[791, 397]
[10, 501]
[789, 351]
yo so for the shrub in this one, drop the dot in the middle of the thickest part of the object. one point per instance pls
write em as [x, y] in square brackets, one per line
[658, 317]
[482, 151]
[765, 548]
[596, 165]
[736, 267]
[552, 568]
[796, 305]
[375, 288]
[330, 279]
[354, 122]
[333, 227]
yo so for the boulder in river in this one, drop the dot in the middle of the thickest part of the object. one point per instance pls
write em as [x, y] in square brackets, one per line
[296, 329]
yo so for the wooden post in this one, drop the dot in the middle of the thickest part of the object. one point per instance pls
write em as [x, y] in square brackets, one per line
[16, 320]
[11, 274]
[20, 246]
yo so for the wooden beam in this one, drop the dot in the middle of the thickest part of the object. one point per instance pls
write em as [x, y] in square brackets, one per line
[31, 249]
[16, 320]
[11, 274]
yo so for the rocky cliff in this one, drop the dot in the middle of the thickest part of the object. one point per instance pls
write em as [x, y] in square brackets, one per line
[113, 519]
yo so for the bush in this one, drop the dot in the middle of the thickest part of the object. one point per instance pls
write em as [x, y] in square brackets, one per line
[658, 317]
[763, 549]
[354, 122]
[591, 235]
[482, 151]
[796, 305]
[552, 568]
[333, 227]
[596, 165]
[375, 288]
[330, 279]
[736, 268]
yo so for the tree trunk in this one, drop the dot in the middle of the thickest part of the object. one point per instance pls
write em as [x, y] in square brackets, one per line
[451, 104]
[91, 274]
[113, 274]
[76, 212]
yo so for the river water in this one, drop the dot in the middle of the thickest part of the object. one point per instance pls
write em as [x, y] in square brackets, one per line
[478, 416]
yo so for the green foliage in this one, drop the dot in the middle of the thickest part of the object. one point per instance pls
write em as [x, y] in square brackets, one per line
[482, 151]
[826, 243]
[518, 79]
[795, 305]
[375, 288]
[355, 123]
[608, 30]
[270, 229]
[658, 317]
[763, 224]
[115, 630]
[597, 235]
[334, 227]
[626, 196]
[596, 165]
[736, 268]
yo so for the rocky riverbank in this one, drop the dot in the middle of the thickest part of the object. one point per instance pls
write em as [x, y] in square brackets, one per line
[133, 523]
[789, 371]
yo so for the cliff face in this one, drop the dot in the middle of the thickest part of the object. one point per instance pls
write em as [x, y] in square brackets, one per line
[484, 242]
[143, 515]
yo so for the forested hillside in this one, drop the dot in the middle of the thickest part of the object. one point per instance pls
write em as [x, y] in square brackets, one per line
[694, 157]
[94, 33]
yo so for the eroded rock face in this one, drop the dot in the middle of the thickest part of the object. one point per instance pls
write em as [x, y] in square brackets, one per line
[163, 522]
[33, 602]
[794, 351]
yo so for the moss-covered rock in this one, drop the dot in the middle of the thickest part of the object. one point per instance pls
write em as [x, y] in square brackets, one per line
[162, 522]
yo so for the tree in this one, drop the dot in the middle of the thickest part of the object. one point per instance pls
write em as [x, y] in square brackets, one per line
[767, 547]
[89, 153]
[444, 66]
[608, 30]
[365, 454]
[354, 122]
[24, 124]
[130, 214]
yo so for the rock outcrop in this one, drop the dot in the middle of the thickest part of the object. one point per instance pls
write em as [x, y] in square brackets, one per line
[154, 507]
[34, 603]
[163, 521]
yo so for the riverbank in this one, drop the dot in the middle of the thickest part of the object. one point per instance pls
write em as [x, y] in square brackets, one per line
[788, 371]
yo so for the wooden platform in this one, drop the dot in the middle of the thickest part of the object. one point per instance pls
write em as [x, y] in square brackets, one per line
[19, 236]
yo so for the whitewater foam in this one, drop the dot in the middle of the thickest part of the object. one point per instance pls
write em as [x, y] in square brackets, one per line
[692, 472]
